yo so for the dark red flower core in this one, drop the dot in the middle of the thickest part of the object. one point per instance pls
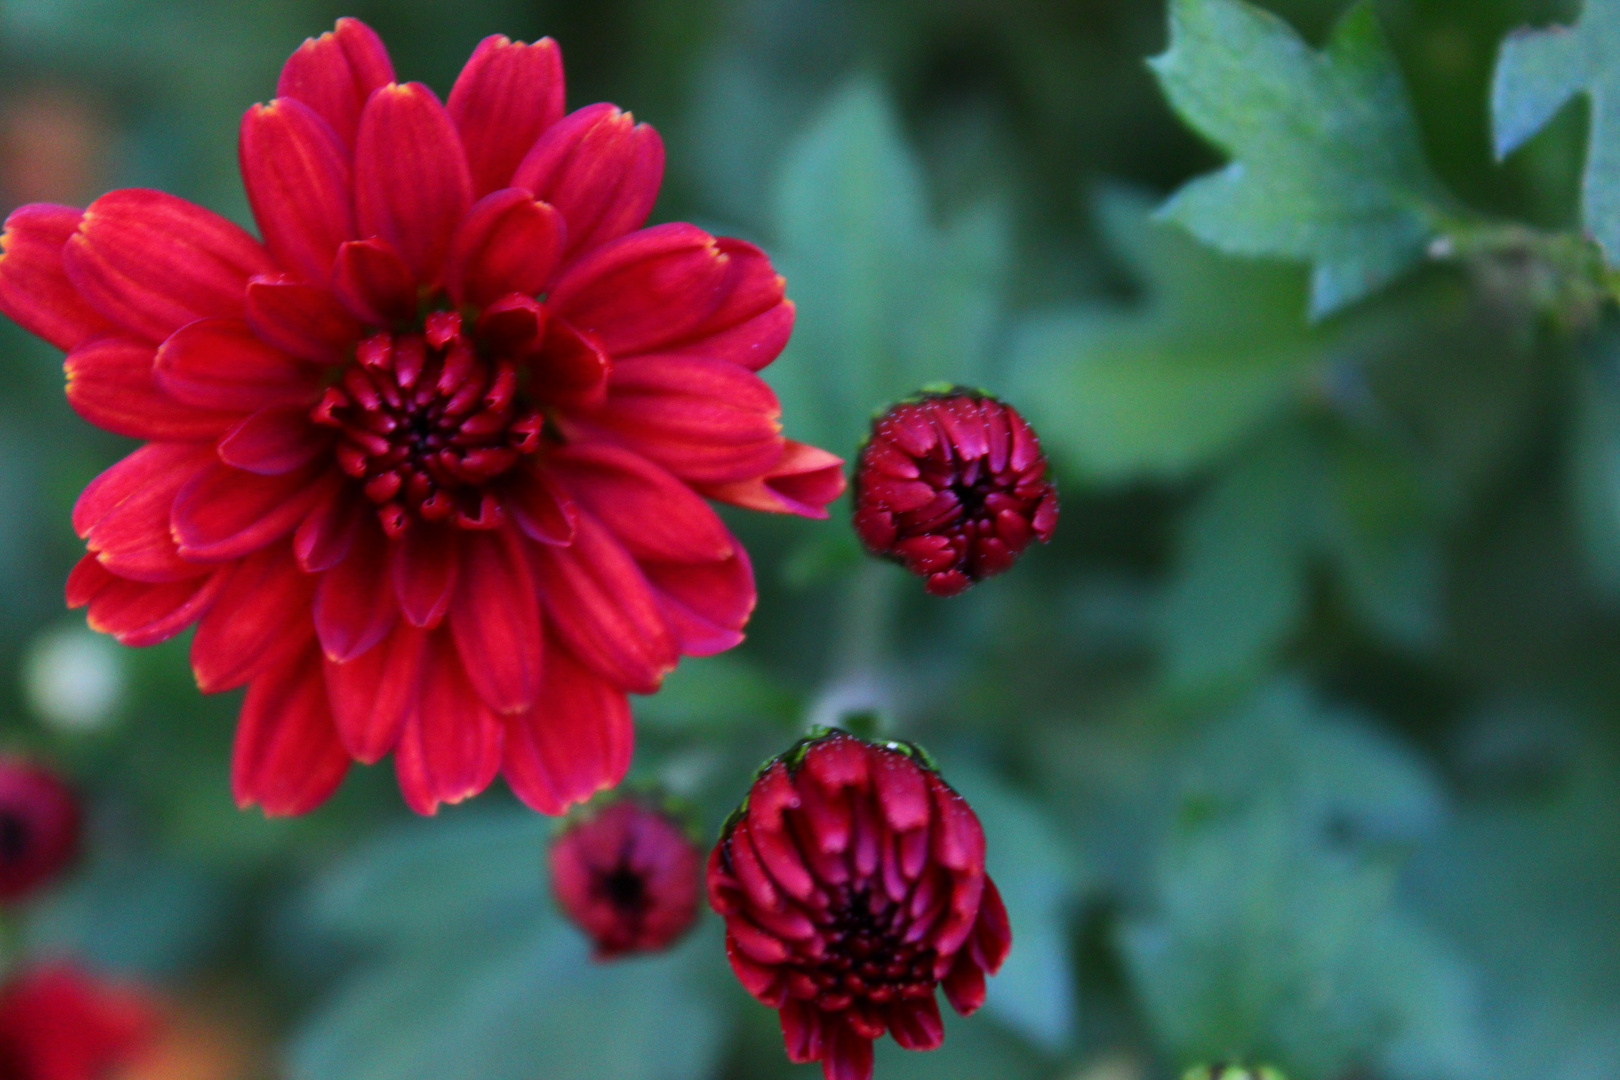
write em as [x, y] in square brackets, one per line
[954, 487]
[39, 828]
[428, 425]
[58, 1022]
[852, 883]
[627, 875]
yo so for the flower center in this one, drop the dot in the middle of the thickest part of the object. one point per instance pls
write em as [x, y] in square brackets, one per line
[15, 833]
[426, 425]
[625, 889]
[866, 954]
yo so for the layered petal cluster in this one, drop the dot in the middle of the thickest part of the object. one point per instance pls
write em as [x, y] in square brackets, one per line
[40, 823]
[426, 466]
[628, 875]
[59, 1022]
[953, 486]
[852, 883]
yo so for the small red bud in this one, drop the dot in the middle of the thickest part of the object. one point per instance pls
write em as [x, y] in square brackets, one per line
[953, 486]
[852, 883]
[628, 876]
[39, 827]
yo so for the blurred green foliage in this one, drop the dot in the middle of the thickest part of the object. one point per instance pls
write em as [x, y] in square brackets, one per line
[1297, 747]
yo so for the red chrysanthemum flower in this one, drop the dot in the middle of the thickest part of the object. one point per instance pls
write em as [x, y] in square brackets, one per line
[852, 883]
[39, 827]
[628, 875]
[953, 486]
[427, 466]
[57, 1022]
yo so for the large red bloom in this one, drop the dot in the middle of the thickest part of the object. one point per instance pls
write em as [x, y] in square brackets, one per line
[427, 466]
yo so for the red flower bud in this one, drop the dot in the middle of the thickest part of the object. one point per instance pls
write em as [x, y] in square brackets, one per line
[57, 1022]
[954, 487]
[852, 883]
[39, 827]
[627, 875]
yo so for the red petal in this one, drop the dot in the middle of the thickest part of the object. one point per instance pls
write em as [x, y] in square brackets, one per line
[131, 538]
[451, 745]
[296, 171]
[575, 742]
[916, 1024]
[372, 695]
[654, 515]
[354, 603]
[506, 95]
[410, 176]
[335, 73]
[706, 604]
[964, 985]
[751, 318]
[600, 168]
[259, 617]
[423, 565]
[603, 609]
[958, 838]
[34, 286]
[328, 531]
[803, 482]
[300, 319]
[706, 421]
[571, 370]
[134, 612]
[148, 467]
[848, 1055]
[274, 441]
[496, 621]
[287, 758]
[221, 364]
[540, 507]
[651, 288]
[152, 262]
[374, 283]
[225, 513]
[508, 243]
[109, 383]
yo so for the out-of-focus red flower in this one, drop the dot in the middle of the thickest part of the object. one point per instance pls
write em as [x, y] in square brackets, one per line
[39, 827]
[58, 1022]
[953, 486]
[427, 466]
[852, 883]
[627, 875]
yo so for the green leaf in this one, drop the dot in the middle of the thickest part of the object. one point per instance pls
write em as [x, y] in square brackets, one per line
[887, 302]
[470, 974]
[1275, 933]
[1327, 165]
[1215, 348]
[1537, 74]
[1240, 584]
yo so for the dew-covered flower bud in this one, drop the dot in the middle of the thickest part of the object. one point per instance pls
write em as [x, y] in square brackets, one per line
[628, 876]
[953, 486]
[852, 884]
[59, 1022]
[39, 827]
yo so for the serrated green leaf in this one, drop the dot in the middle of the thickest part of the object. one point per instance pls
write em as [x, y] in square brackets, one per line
[1537, 74]
[1216, 347]
[886, 301]
[1327, 165]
